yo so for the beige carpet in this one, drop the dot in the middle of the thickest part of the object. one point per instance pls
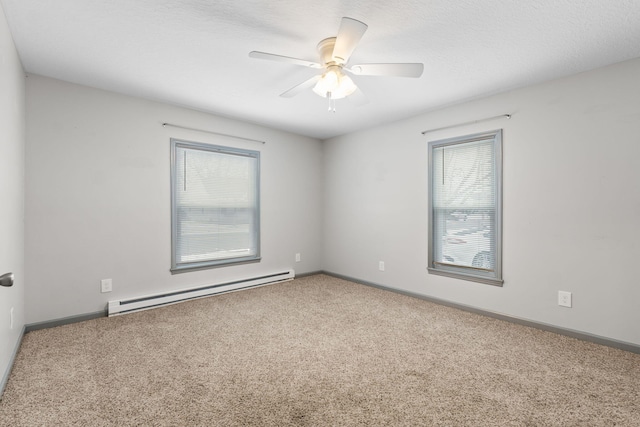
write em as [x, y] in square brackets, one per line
[316, 351]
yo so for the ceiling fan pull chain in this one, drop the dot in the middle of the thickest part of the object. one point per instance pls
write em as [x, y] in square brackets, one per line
[332, 103]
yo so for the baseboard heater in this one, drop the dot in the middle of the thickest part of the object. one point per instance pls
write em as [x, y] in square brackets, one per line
[116, 308]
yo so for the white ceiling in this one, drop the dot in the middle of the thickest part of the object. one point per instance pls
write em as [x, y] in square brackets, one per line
[194, 53]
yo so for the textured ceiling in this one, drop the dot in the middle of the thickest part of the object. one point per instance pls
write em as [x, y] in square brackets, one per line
[195, 52]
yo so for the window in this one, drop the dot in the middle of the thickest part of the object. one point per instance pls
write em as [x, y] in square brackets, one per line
[465, 207]
[215, 209]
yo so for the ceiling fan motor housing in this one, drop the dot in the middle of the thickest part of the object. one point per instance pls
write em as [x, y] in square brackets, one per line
[325, 48]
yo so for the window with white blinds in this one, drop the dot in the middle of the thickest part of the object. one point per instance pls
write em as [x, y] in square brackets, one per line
[215, 208]
[465, 207]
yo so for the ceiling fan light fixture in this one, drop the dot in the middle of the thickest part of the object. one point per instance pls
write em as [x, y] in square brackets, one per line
[334, 84]
[329, 82]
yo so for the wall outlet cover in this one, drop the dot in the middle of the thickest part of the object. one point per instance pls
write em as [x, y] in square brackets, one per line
[564, 299]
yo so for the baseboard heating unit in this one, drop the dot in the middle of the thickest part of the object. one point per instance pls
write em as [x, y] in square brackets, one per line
[131, 305]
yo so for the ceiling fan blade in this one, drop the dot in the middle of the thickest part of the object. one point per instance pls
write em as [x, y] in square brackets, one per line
[308, 84]
[358, 98]
[349, 35]
[280, 58]
[395, 70]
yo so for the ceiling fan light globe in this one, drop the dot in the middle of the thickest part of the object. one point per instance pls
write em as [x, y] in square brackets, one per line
[346, 88]
[322, 88]
[329, 82]
[319, 91]
[335, 85]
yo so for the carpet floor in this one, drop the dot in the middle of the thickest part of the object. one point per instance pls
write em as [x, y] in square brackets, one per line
[316, 351]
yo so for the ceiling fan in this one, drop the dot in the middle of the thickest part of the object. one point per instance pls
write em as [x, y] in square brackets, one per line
[332, 83]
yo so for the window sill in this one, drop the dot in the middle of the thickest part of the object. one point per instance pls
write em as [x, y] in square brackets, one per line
[469, 277]
[205, 266]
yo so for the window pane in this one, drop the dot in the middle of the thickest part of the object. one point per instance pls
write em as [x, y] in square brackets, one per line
[466, 237]
[216, 205]
[463, 200]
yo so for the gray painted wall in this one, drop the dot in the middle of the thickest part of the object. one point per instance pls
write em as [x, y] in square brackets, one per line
[98, 205]
[12, 165]
[571, 202]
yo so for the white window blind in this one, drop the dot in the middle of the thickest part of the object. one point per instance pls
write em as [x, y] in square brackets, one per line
[465, 206]
[215, 205]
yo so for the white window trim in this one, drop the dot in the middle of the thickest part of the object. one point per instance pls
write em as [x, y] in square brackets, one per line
[461, 272]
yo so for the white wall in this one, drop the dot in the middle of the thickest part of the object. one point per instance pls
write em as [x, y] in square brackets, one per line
[571, 202]
[98, 197]
[12, 141]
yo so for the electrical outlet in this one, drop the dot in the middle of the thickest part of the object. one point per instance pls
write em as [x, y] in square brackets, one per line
[297, 257]
[106, 285]
[564, 298]
[381, 265]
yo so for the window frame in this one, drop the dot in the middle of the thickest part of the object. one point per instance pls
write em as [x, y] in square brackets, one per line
[177, 267]
[457, 271]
